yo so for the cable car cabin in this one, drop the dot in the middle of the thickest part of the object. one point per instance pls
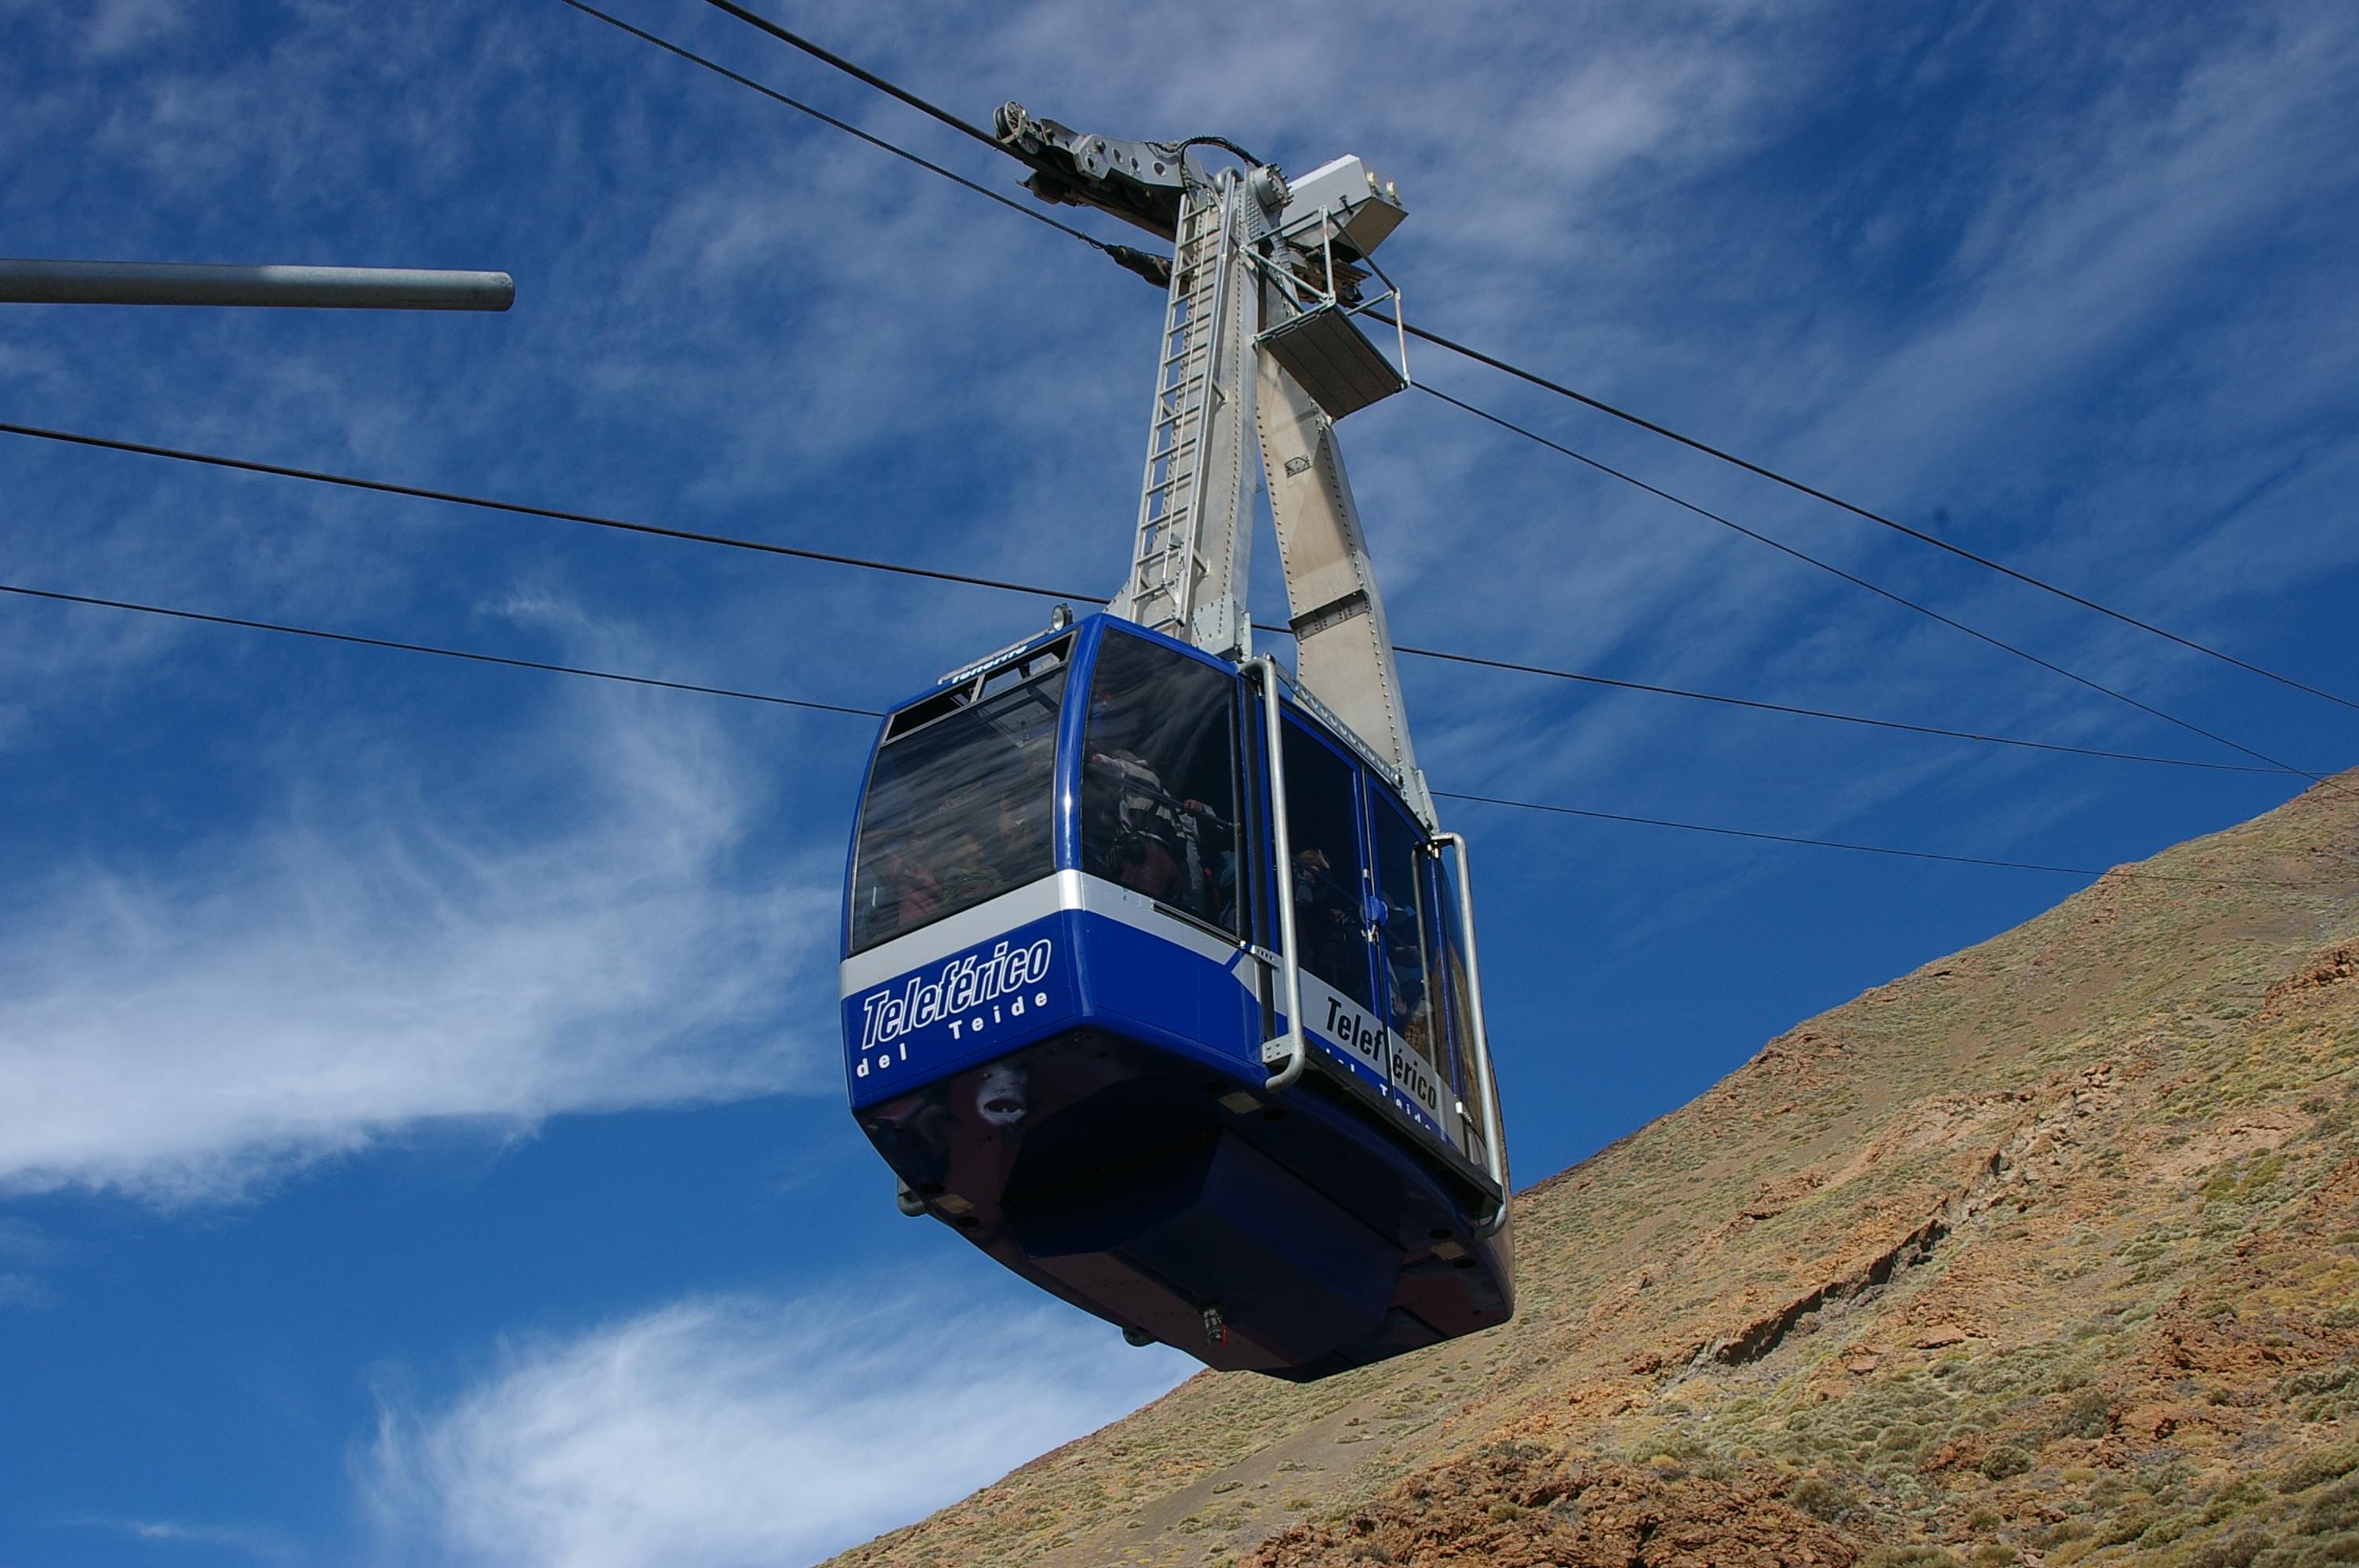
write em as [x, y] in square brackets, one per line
[1069, 1023]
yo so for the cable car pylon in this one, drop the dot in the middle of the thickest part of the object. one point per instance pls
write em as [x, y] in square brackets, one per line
[1160, 981]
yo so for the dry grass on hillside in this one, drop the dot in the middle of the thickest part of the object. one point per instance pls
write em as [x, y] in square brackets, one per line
[2047, 1253]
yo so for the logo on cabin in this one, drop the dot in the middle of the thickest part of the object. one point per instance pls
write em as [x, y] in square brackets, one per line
[968, 994]
[1356, 1030]
[1409, 1073]
[1384, 1052]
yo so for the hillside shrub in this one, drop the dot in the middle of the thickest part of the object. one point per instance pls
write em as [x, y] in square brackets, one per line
[2341, 1548]
[2090, 1414]
[2125, 1527]
[2325, 1533]
[1824, 1497]
[2232, 1499]
[2312, 1469]
[2236, 1552]
[2334, 1511]
[2003, 1461]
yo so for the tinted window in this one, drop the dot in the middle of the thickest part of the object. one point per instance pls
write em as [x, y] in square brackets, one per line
[1404, 940]
[957, 811]
[1160, 779]
[1323, 819]
[1452, 1015]
[1447, 972]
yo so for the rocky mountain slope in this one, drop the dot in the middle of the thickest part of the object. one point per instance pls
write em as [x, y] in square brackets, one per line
[2045, 1253]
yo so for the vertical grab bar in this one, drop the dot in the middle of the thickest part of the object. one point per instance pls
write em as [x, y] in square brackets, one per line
[1294, 1049]
[1494, 1142]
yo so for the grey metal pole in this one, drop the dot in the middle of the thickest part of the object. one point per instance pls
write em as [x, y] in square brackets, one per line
[189, 282]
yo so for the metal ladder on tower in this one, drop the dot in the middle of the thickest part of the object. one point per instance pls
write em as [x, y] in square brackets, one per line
[1169, 564]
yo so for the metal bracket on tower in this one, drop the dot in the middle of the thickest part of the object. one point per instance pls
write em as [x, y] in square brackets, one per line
[1221, 627]
[1139, 182]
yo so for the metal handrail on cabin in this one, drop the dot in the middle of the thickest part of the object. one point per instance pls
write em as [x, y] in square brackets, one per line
[1494, 1143]
[1293, 1046]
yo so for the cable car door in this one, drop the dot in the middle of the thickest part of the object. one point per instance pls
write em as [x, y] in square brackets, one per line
[1329, 882]
[1403, 945]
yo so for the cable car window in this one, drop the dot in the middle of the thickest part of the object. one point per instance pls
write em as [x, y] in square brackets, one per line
[1404, 941]
[1160, 779]
[957, 811]
[1323, 820]
[1449, 972]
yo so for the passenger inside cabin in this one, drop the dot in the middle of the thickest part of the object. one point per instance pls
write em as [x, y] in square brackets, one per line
[903, 882]
[1144, 863]
[1158, 796]
[1016, 850]
[1325, 921]
[1405, 977]
[966, 874]
[1157, 837]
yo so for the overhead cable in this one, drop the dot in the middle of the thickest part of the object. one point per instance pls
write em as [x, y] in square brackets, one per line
[1767, 837]
[1925, 610]
[395, 646]
[1585, 400]
[1838, 717]
[522, 509]
[728, 541]
[755, 18]
[359, 640]
[1131, 260]
[1027, 208]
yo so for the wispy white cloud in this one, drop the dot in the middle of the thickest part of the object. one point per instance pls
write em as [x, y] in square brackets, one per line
[263, 1546]
[125, 27]
[560, 927]
[741, 1430]
[23, 1249]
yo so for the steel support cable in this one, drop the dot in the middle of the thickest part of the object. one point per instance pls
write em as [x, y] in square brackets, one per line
[1121, 254]
[1767, 837]
[734, 542]
[924, 105]
[1587, 401]
[729, 541]
[1837, 718]
[1828, 566]
[1465, 350]
[1028, 210]
[2139, 871]
[359, 640]
[523, 509]
[977, 132]
[756, 19]
[539, 666]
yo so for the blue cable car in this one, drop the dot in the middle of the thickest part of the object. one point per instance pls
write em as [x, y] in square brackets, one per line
[1156, 990]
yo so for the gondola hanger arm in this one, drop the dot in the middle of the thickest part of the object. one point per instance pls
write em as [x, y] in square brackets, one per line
[1260, 346]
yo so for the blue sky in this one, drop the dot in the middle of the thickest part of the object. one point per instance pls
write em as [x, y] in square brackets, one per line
[421, 1139]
